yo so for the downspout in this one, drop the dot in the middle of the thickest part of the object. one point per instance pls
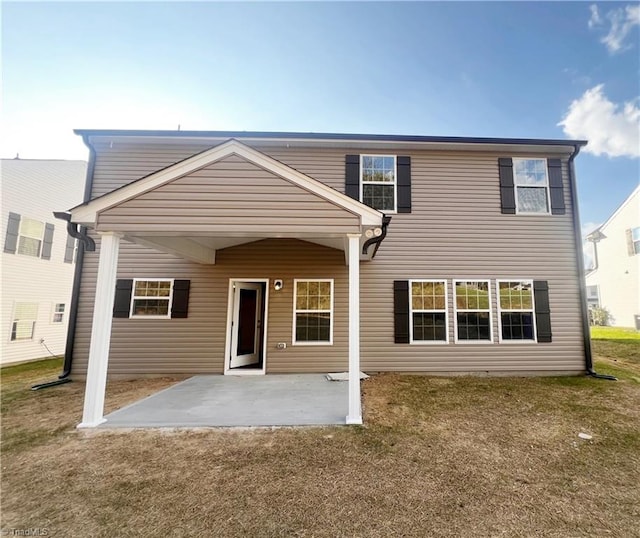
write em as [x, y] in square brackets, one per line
[582, 285]
[84, 241]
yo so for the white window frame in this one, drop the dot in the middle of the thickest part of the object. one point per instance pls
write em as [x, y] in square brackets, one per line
[439, 310]
[545, 186]
[296, 311]
[33, 322]
[456, 310]
[134, 297]
[635, 243]
[395, 181]
[532, 310]
[57, 312]
[23, 219]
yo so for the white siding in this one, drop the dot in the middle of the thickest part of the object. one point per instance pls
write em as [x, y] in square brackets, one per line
[34, 189]
[618, 273]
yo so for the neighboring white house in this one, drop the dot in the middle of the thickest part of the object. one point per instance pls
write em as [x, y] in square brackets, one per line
[38, 257]
[614, 281]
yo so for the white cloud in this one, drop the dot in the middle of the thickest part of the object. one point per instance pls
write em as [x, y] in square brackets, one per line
[595, 19]
[611, 129]
[621, 22]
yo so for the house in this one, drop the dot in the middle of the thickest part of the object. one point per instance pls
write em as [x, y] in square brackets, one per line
[37, 256]
[244, 253]
[614, 280]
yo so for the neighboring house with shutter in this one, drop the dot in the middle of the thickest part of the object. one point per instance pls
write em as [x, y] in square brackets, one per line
[243, 253]
[38, 255]
[614, 280]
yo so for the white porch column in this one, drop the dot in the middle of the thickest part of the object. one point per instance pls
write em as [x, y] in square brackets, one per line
[101, 332]
[355, 411]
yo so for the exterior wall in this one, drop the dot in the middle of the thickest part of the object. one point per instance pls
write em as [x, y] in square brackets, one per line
[618, 273]
[232, 196]
[455, 231]
[34, 189]
[196, 344]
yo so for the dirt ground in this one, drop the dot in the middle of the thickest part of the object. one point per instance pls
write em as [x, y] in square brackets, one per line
[461, 456]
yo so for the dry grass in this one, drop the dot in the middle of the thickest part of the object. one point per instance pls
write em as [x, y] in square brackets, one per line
[438, 457]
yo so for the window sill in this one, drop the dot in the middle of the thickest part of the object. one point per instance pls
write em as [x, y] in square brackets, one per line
[311, 343]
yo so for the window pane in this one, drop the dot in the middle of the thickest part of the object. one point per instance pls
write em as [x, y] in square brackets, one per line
[29, 246]
[379, 197]
[429, 326]
[473, 326]
[367, 161]
[532, 199]
[150, 307]
[517, 325]
[313, 327]
[635, 234]
[22, 330]
[31, 228]
[26, 311]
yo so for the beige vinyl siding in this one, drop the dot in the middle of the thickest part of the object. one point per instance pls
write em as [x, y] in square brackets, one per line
[196, 344]
[455, 231]
[230, 195]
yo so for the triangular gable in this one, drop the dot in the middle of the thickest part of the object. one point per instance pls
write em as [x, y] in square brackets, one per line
[87, 214]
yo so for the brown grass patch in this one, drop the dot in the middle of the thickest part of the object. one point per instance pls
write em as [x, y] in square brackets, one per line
[455, 456]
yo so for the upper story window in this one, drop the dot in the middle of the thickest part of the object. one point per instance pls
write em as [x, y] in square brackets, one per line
[30, 237]
[531, 183]
[378, 185]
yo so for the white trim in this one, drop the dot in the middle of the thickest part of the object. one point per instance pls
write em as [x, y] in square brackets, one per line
[133, 298]
[545, 186]
[227, 346]
[355, 407]
[532, 310]
[93, 411]
[294, 342]
[87, 213]
[395, 182]
[456, 310]
[439, 310]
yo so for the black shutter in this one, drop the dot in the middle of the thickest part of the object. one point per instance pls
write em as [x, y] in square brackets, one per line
[180, 303]
[543, 313]
[404, 184]
[13, 229]
[401, 311]
[352, 176]
[122, 303]
[556, 190]
[507, 192]
[47, 241]
[69, 249]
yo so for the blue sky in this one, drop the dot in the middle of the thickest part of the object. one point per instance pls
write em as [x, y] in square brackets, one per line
[462, 69]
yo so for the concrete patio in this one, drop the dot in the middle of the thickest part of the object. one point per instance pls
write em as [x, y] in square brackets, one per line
[225, 401]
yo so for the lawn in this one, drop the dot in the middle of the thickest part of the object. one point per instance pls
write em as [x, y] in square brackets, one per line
[461, 456]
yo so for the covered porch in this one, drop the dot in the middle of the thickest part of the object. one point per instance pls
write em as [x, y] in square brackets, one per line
[227, 196]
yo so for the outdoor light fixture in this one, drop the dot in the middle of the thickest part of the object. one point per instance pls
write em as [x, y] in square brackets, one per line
[277, 285]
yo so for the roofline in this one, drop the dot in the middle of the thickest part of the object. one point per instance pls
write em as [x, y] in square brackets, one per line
[618, 210]
[329, 136]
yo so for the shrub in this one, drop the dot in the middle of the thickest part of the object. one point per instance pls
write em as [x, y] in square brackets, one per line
[599, 316]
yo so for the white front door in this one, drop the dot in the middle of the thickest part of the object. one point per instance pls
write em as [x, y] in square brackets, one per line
[246, 326]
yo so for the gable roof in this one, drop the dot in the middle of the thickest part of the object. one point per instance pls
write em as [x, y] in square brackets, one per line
[86, 213]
